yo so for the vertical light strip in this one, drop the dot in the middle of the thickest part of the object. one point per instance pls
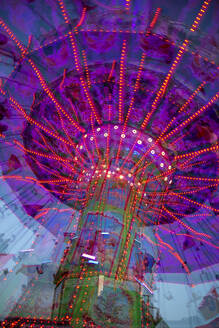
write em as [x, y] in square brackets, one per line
[121, 81]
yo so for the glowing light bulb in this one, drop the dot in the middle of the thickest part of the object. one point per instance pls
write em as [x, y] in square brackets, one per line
[152, 152]
[123, 135]
[139, 142]
[121, 176]
[98, 129]
[163, 153]
[129, 175]
[91, 138]
[115, 127]
[170, 181]
[134, 131]
[169, 167]
[85, 136]
[105, 134]
[165, 179]
[150, 139]
[161, 164]
[81, 147]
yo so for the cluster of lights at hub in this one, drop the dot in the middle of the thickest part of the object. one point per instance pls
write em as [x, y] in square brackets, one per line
[117, 172]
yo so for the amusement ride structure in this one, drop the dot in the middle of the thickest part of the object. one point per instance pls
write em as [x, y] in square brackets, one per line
[109, 145]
